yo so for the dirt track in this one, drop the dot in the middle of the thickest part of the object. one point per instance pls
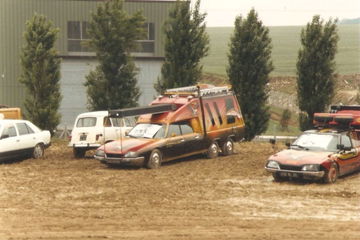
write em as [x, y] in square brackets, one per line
[225, 198]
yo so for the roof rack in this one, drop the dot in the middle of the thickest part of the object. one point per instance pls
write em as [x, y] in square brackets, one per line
[342, 117]
[205, 90]
[136, 111]
[336, 108]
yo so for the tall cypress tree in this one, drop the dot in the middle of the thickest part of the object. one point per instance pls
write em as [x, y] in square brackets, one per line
[249, 67]
[41, 73]
[186, 44]
[316, 68]
[113, 33]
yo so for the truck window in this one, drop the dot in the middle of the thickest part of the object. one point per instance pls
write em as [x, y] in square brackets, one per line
[229, 103]
[186, 129]
[174, 129]
[210, 114]
[218, 113]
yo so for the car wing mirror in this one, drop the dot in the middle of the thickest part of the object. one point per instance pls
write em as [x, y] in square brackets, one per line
[341, 147]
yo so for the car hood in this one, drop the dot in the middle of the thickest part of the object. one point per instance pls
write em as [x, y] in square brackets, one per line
[125, 145]
[300, 157]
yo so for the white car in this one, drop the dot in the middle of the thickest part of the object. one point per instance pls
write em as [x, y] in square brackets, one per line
[93, 129]
[21, 138]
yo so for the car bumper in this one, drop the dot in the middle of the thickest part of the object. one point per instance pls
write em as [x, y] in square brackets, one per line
[138, 161]
[84, 145]
[290, 173]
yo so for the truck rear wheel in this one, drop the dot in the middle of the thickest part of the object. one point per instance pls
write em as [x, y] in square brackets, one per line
[228, 147]
[213, 150]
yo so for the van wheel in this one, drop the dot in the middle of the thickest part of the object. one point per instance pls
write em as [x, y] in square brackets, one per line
[79, 152]
[154, 160]
[228, 147]
[213, 150]
[331, 175]
[38, 151]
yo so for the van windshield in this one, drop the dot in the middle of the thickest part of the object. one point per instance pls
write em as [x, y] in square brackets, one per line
[86, 122]
[147, 130]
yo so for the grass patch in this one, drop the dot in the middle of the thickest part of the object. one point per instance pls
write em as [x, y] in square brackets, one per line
[286, 44]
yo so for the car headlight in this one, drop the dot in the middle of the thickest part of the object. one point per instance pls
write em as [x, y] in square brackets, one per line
[273, 164]
[130, 155]
[311, 167]
[100, 153]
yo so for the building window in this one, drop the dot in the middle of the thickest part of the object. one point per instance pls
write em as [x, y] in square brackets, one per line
[77, 33]
[147, 45]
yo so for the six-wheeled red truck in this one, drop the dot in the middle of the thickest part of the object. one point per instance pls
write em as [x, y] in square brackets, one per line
[181, 122]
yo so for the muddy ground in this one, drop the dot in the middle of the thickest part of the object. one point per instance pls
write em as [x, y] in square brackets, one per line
[232, 197]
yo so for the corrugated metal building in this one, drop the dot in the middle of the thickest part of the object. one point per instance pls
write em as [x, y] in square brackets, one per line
[72, 17]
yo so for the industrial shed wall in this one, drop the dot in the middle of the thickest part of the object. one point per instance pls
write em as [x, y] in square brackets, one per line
[14, 14]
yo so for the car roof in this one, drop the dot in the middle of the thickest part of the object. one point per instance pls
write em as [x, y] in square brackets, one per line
[12, 120]
[94, 114]
[326, 131]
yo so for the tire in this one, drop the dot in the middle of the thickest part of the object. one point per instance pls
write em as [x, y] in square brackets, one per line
[332, 174]
[38, 151]
[213, 150]
[154, 160]
[278, 178]
[79, 152]
[228, 147]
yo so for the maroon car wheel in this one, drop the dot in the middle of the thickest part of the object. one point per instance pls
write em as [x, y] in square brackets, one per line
[155, 159]
[331, 175]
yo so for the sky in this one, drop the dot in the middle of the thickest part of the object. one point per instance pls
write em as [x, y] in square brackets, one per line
[278, 12]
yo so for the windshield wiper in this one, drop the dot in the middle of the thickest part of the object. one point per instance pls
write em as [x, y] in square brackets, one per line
[299, 146]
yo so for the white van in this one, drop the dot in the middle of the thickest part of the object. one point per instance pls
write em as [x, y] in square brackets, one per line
[93, 129]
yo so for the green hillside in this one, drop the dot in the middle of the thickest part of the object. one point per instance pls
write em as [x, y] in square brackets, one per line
[286, 43]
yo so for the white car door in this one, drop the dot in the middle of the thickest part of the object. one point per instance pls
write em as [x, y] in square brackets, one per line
[27, 136]
[9, 142]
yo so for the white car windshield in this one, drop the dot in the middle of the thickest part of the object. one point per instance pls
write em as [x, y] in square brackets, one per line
[147, 130]
[317, 142]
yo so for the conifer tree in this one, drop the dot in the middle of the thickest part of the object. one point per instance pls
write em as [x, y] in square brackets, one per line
[249, 67]
[316, 68]
[113, 33]
[41, 73]
[186, 43]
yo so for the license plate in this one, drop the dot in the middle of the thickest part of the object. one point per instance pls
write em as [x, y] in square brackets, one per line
[83, 137]
[285, 174]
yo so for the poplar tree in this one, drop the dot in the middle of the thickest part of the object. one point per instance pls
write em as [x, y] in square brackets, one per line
[249, 67]
[41, 73]
[186, 43]
[316, 68]
[113, 34]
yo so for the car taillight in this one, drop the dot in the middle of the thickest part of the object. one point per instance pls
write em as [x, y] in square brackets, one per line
[98, 136]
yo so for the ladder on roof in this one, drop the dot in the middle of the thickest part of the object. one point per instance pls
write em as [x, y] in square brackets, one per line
[193, 90]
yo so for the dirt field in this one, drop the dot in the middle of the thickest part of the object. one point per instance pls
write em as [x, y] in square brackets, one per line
[60, 197]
